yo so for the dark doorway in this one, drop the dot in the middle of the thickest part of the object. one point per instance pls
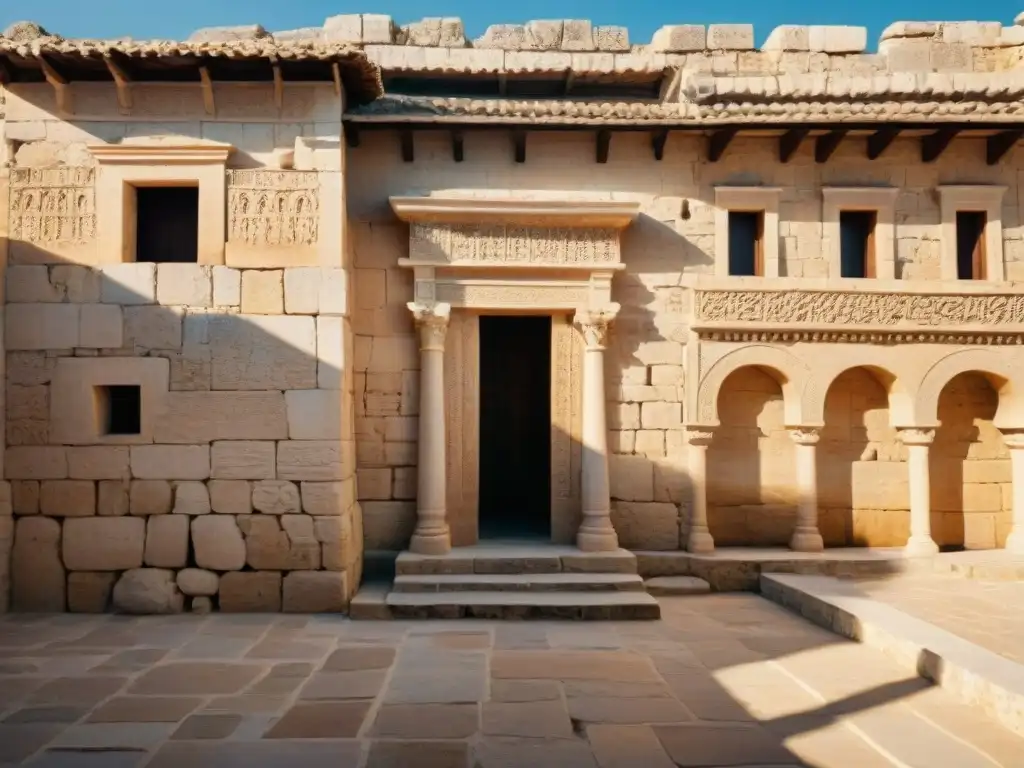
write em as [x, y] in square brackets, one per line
[167, 225]
[515, 426]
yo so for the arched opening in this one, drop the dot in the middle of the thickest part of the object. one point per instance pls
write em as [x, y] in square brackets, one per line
[863, 485]
[751, 482]
[970, 468]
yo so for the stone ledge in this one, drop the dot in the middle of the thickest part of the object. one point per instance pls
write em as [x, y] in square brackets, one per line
[973, 674]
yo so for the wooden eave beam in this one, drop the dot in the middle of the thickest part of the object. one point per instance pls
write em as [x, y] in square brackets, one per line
[790, 142]
[826, 144]
[880, 140]
[6, 72]
[209, 103]
[570, 80]
[458, 146]
[998, 144]
[336, 76]
[658, 140]
[934, 144]
[275, 65]
[122, 80]
[502, 84]
[719, 141]
[59, 81]
[351, 135]
[408, 146]
[604, 141]
[519, 145]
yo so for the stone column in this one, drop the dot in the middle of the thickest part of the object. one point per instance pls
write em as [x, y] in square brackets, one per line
[596, 533]
[917, 441]
[1015, 541]
[806, 537]
[431, 536]
[700, 539]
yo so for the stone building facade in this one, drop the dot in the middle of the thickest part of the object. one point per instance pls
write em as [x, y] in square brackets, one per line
[277, 303]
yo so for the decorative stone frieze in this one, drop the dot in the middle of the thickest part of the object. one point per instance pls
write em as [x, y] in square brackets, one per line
[273, 208]
[513, 245]
[53, 205]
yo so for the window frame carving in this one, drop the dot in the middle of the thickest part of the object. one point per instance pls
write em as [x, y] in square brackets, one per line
[763, 200]
[985, 198]
[881, 200]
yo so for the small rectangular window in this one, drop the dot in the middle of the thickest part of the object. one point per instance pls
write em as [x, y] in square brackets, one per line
[119, 409]
[746, 243]
[167, 224]
[970, 245]
[857, 243]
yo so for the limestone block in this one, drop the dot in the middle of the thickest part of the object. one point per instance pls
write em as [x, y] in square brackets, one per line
[170, 462]
[243, 460]
[399, 454]
[314, 414]
[731, 37]
[31, 462]
[388, 524]
[453, 33]
[544, 35]
[907, 55]
[276, 497]
[41, 326]
[302, 290]
[37, 574]
[655, 415]
[101, 326]
[404, 486]
[25, 497]
[612, 39]
[230, 497]
[577, 35]
[838, 39]
[671, 481]
[201, 605]
[30, 284]
[336, 540]
[77, 285]
[98, 462]
[423, 33]
[228, 34]
[311, 460]
[112, 497]
[202, 417]
[67, 498]
[646, 525]
[509, 37]
[333, 298]
[346, 28]
[184, 285]
[666, 375]
[131, 283]
[227, 287]
[103, 543]
[679, 38]
[217, 543]
[331, 343]
[974, 33]
[166, 541]
[269, 546]
[631, 478]
[89, 592]
[27, 403]
[910, 29]
[196, 582]
[374, 483]
[788, 38]
[649, 442]
[150, 497]
[315, 592]
[29, 368]
[250, 592]
[263, 352]
[378, 28]
[393, 354]
[148, 328]
[263, 292]
[327, 498]
[148, 591]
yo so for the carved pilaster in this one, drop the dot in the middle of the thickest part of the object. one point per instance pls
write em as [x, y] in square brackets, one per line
[594, 324]
[432, 320]
[805, 435]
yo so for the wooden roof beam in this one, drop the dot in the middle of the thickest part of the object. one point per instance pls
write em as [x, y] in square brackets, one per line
[570, 79]
[718, 142]
[790, 142]
[351, 134]
[122, 80]
[998, 144]
[519, 145]
[458, 146]
[275, 65]
[209, 103]
[880, 140]
[826, 144]
[336, 76]
[604, 141]
[408, 146]
[59, 81]
[6, 72]
[934, 144]
[658, 141]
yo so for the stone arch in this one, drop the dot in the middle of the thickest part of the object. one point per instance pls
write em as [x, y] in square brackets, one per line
[791, 373]
[993, 365]
[900, 391]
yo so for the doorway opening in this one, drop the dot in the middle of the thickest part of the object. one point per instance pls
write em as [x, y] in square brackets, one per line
[515, 426]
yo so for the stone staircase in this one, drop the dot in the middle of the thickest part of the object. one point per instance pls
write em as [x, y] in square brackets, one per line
[511, 581]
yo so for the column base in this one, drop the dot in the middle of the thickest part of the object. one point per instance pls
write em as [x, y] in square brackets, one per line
[1015, 541]
[921, 546]
[431, 542]
[700, 542]
[597, 541]
[806, 541]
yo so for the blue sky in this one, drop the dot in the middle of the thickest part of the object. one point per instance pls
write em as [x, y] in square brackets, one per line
[175, 19]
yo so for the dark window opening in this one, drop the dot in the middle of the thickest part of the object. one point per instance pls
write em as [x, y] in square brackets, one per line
[970, 245]
[746, 243]
[857, 243]
[120, 409]
[167, 224]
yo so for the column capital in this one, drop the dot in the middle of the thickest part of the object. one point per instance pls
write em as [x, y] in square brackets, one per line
[594, 324]
[916, 435]
[804, 435]
[700, 436]
[432, 320]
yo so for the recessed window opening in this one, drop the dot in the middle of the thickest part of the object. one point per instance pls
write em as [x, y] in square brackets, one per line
[167, 224]
[970, 245]
[746, 243]
[857, 243]
[119, 409]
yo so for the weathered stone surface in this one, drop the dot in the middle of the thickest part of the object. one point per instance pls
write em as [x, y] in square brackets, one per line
[202, 417]
[327, 498]
[191, 498]
[170, 462]
[315, 592]
[112, 496]
[577, 35]
[788, 37]
[676, 585]
[228, 34]
[345, 28]
[287, 352]
[281, 544]
[217, 543]
[632, 477]
[187, 285]
[129, 283]
[150, 328]
[243, 460]
[731, 37]
[302, 290]
[41, 326]
[150, 497]
[263, 292]
[230, 497]
[311, 460]
[98, 462]
[67, 498]
[196, 582]
[612, 39]
[101, 326]
[103, 543]
[148, 590]
[89, 592]
[646, 525]
[250, 592]
[37, 573]
[25, 497]
[314, 414]
[201, 605]
[31, 462]
[25, 31]
[276, 497]
[167, 541]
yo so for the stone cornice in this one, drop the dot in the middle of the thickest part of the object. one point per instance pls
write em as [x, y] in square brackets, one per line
[597, 214]
[161, 154]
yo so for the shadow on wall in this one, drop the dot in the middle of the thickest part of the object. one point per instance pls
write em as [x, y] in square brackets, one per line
[180, 437]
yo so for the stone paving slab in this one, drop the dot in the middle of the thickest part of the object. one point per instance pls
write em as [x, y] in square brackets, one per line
[720, 680]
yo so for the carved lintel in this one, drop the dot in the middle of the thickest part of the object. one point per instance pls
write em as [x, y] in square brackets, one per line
[700, 436]
[916, 435]
[122, 81]
[658, 140]
[209, 104]
[804, 435]
[432, 320]
[594, 324]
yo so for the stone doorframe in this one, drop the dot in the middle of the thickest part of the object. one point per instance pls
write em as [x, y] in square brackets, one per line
[485, 255]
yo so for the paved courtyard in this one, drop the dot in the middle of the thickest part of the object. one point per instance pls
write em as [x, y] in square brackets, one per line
[722, 680]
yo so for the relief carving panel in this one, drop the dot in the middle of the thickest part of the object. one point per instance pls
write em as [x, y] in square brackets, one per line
[271, 207]
[513, 245]
[53, 205]
[511, 295]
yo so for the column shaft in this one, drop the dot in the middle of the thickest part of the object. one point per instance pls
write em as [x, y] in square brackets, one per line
[806, 537]
[1015, 539]
[917, 442]
[700, 539]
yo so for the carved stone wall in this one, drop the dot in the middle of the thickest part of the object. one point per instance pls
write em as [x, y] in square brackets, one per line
[53, 205]
[273, 208]
[513, 245]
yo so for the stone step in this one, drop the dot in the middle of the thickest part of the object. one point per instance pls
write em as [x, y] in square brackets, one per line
[533, 582]
[676, 585]
[523, 605]
[517, 559]
[370, 603]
